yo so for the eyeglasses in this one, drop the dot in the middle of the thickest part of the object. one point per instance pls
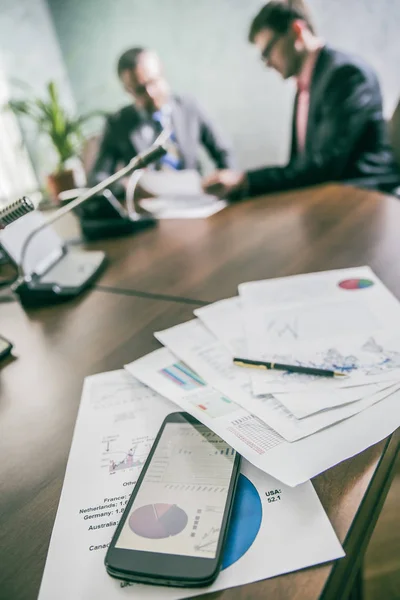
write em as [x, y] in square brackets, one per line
[266, 53]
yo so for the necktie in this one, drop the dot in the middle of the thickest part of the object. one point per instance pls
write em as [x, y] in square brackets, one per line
[171, 160]
[303, 103]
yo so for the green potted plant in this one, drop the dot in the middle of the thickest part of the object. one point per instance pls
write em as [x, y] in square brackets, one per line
[65, 133]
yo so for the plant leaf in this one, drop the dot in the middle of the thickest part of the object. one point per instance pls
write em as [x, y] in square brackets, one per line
[51, 118]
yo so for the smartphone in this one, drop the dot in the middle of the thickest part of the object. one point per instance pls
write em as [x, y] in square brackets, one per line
[173, 529]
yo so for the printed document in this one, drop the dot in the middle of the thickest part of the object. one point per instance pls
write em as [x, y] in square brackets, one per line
[341, 320]
[201, 351]
[178, 195]
[292, 463]
[116, 425]
[224, 319]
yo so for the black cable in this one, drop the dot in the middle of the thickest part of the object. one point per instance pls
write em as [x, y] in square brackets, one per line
[138, 294]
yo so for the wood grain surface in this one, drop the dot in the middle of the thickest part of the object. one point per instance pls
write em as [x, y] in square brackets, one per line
[56, 347]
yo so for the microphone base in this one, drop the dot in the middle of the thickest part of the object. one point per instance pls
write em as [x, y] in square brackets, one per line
[79, 275]
[103, 228]
[31, 296]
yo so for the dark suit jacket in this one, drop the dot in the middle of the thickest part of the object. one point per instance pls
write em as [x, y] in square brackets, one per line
[127, 133]
[346, 132]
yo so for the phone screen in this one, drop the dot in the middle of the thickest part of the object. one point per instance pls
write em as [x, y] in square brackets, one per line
[180, 504]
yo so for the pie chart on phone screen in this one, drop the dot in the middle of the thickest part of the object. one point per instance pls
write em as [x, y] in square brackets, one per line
[245, 522]
[158, 521]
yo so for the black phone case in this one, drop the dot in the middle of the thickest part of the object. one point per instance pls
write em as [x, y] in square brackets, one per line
[120, 574]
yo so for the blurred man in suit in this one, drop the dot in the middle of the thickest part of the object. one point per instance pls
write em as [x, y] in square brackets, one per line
[135, 127]
[338, 130]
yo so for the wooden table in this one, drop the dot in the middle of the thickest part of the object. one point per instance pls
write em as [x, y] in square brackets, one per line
[205, 260]
[315, 229]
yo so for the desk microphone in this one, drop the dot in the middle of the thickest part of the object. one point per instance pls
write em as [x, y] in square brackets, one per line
[14, 211]
[28, 286]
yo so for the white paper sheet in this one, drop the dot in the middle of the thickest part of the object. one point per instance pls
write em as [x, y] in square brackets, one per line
[325, 285]
[178, 195]
[170, 183]
[175, 208]
[304, 404]
[292, 463]
[165, 373]
[337, 319]
[119, 415]
[224, 319]
[206, 355]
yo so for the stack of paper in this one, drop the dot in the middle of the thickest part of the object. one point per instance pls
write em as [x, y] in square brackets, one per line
[178, 195]
[119, 418]
[289, 425]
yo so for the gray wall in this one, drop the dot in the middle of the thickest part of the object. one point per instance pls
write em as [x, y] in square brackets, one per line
[203, 45]
[29, 52]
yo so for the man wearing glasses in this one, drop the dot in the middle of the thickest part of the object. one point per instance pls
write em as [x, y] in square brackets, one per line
[338, 130]
[135, 127]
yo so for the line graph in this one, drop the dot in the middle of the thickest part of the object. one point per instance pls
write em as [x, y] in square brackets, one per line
[283, 328]
[126, 393]
[116, 458]
[209, 540]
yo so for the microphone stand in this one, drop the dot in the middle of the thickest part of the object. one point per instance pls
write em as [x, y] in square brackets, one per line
[156, 151]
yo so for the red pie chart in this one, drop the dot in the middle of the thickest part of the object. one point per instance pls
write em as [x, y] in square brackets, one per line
[158, 521]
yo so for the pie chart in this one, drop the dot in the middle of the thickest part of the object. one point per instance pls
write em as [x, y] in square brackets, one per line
[245, 522]
[158, 521]
[355, 284]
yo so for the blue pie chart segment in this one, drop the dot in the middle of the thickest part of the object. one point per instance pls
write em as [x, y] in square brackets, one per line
[245, 522]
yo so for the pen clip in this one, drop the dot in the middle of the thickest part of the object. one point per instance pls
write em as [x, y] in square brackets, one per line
[239, 363]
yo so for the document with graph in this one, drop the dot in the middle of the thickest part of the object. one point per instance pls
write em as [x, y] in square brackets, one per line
[118, 420]
[341, 320]
[208, 357]
[174, 379]
[224, 319]
[289, 462]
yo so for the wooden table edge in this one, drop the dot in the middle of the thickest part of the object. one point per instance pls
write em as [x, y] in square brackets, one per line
[346, 571]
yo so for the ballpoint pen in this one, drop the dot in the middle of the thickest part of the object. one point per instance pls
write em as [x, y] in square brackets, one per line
[258, 364]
